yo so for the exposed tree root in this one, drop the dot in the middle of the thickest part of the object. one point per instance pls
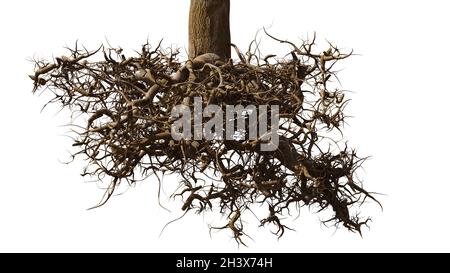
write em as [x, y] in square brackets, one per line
[127, 103]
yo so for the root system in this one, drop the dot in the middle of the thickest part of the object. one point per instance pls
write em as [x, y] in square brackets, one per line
[125, 135]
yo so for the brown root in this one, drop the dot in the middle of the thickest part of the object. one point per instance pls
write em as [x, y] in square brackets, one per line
[127, 103]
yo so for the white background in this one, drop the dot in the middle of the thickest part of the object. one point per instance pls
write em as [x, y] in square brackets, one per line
[400, 108]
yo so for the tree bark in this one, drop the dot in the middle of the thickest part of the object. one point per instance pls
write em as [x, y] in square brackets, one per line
[209, 28]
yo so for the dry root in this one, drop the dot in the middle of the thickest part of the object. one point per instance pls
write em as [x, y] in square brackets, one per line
[127, 103]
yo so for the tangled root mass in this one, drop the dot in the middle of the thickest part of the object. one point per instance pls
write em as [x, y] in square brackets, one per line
[127, 102]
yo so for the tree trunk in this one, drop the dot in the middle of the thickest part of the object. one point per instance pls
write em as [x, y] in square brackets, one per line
[209, 28]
